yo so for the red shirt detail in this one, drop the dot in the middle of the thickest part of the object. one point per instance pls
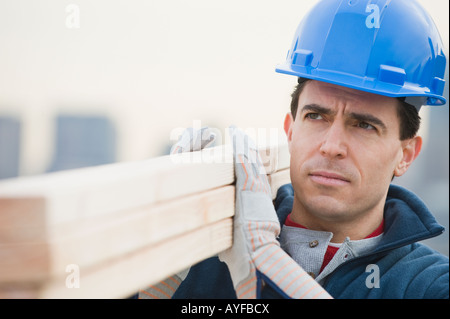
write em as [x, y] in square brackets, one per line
[331, 250]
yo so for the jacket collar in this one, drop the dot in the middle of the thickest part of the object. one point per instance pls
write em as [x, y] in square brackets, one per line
[406, 217]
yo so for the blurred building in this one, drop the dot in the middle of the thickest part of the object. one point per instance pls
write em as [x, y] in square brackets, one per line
[82, 141]
[10, 141]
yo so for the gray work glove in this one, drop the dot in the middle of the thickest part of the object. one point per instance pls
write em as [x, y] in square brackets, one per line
[256, 255]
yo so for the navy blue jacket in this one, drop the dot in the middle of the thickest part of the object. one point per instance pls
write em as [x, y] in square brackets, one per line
[407, 269]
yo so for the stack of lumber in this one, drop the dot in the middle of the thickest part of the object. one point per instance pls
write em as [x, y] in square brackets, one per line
[107, 231]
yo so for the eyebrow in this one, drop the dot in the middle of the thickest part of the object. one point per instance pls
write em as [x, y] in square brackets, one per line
[369, 119]
[362, 117]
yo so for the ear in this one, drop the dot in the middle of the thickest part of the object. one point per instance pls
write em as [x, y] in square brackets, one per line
[288, 124]
[410, 150]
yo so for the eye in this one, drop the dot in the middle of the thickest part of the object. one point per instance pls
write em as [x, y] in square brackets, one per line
[366, 126]
[313, 116]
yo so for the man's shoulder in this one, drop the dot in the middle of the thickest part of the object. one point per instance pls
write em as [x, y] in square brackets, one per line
[413, 271]
[423, 271]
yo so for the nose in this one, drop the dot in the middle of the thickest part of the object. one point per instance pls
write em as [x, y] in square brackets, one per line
[334, 144]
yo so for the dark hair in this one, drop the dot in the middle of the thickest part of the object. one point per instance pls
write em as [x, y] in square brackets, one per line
[408, 114]
[296, 95]
[409, 119]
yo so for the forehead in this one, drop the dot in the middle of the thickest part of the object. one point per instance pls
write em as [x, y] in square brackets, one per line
[331, 95]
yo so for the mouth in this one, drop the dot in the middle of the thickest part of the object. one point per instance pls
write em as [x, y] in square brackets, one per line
[329, 178]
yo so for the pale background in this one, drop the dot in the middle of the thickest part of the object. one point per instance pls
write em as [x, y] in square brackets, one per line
[153, 66]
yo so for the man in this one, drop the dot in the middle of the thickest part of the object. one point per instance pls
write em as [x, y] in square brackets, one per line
[343, 231]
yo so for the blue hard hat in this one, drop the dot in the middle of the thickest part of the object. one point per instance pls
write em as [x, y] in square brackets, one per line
[387, 47]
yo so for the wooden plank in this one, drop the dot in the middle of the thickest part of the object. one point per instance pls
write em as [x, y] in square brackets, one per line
[121, 277]
[25, 291]
[86, 243]
[85, 193]
[88, 192]
[24, 262]
[22, 220]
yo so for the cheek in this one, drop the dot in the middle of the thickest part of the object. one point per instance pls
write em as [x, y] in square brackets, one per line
[378, 165]
[301, 148]
[302, 139]
[296, 145]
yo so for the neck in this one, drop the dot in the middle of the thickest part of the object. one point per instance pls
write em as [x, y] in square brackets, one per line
[357, 227]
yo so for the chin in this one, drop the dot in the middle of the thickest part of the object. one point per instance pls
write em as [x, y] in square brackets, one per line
[325, 212]
[324, 207]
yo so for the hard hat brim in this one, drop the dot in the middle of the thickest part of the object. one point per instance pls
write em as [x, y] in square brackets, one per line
[365, 84]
